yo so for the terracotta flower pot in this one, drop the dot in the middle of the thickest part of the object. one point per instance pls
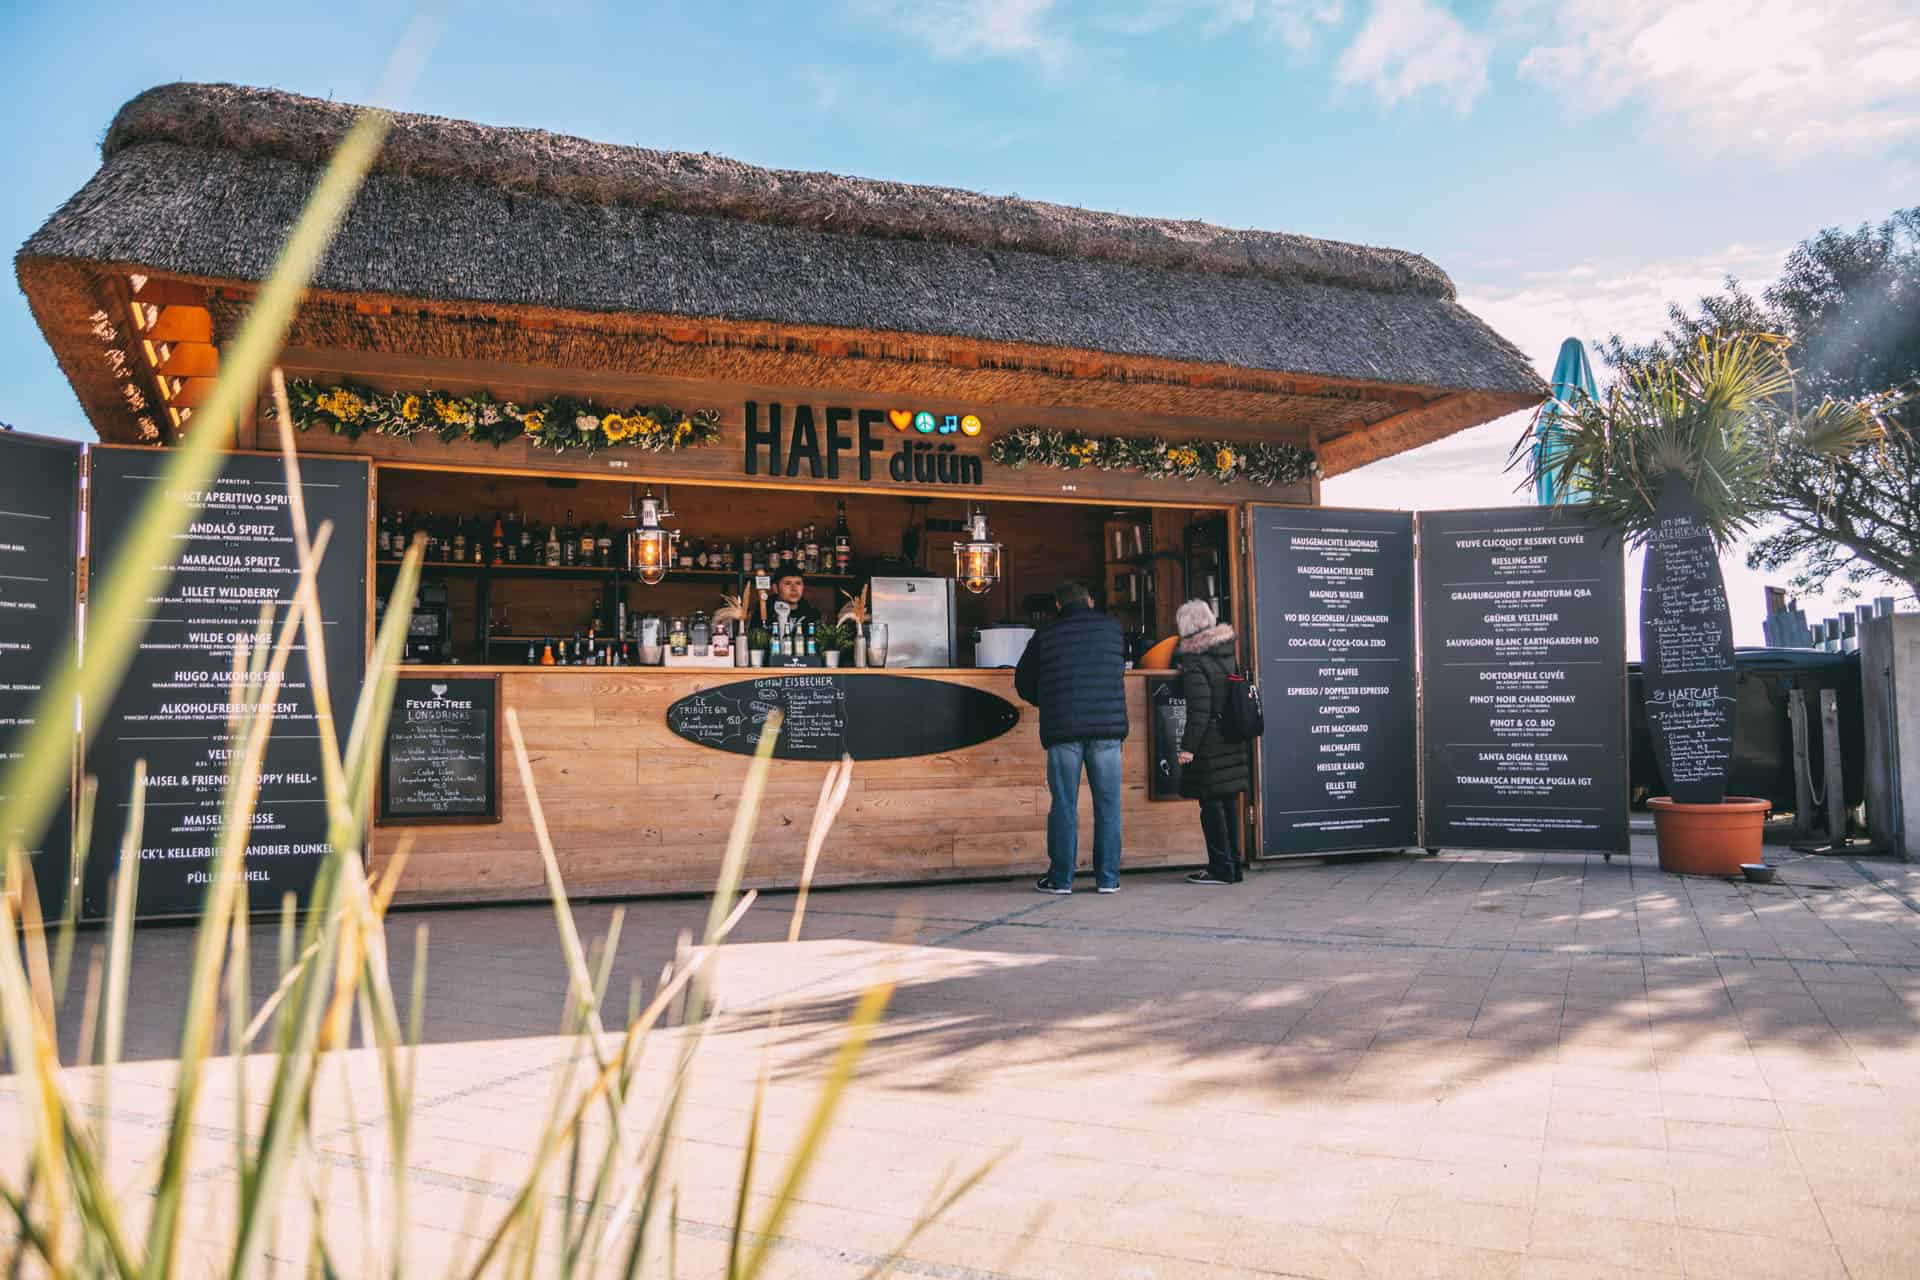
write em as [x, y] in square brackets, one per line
[1708, 839]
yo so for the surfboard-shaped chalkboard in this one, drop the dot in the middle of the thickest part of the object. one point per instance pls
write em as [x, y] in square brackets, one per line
[1686, 649]
[869, 717]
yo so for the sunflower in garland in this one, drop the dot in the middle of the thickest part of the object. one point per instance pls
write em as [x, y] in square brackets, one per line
[1224, 460]
[410, 408]
[533, 422]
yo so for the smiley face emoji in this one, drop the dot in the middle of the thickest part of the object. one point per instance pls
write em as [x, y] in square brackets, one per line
[970, 425]
[923, 423]
[900, 418]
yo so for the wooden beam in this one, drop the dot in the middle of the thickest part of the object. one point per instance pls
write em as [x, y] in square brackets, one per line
[181, 324]
[1412, 428]
[194, 392]
[191, 360]
[169, 293]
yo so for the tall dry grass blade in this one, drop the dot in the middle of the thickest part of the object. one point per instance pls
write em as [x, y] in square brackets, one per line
[743, 1198]
[83, 814]
[24, 1032]
[833, 794]
[866, 1015]
[90, 1009]
[120, 948]
[940, 1206]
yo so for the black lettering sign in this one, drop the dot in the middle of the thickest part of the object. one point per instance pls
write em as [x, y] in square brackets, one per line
[918, 458]
[806, 443]
[1334, 631]
[1686, 650]
[1523, 680]
[236, 556]
[757, 439]
[39, 555]
[441, 759]
[828, 715]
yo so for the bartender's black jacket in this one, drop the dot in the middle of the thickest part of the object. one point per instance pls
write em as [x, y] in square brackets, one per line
[1073, 671]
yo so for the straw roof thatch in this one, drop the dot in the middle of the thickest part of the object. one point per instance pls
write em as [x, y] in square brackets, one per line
[202, 181]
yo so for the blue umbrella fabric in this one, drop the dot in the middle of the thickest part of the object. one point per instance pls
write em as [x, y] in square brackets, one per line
[1572, 377]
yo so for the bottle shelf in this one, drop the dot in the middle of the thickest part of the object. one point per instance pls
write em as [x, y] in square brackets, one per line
[721, 576]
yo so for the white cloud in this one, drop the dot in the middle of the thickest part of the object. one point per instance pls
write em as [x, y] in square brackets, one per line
[1793, 76]
[975, 28]
[1408, 47]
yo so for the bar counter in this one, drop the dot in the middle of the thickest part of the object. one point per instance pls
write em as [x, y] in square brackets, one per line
[634, 808]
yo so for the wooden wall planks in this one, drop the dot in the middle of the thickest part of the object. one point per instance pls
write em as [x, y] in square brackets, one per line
[634, 809]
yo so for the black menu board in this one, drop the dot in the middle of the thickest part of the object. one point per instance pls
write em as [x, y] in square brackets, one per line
[869, 717]
[1523, 678]
[1166, 722]
[1333, 624]
[1686, 649]
[235, 555]
[39, 553]
[441, 759]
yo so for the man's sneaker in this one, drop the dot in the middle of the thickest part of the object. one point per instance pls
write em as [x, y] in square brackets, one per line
[1206, 877]
[1106, 888]
[1045, 885]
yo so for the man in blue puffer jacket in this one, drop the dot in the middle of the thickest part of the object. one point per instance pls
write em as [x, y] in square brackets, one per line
[1072, 671]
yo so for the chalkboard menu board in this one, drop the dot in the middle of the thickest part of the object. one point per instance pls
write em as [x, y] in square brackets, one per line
[441, 759]
[235, 555]
[1166, 721]
[39, 552]
[869, 717]
[1333, 621]
[1523, 676]
[1686, 649]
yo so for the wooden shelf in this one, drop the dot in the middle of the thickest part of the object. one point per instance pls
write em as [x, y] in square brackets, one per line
[722, 576]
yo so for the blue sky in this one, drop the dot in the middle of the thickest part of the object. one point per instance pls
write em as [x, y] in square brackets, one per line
[1573, 164]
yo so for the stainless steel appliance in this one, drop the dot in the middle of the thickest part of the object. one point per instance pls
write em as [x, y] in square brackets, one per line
[919, 616]
[1000, 644]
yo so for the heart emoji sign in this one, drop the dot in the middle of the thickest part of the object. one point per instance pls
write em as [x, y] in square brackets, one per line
[900, 418]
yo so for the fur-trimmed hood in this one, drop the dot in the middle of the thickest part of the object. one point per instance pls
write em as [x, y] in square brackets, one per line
[1217, 636]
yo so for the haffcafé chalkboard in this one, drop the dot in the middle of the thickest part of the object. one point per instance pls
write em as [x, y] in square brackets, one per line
[441, 758]
[39, 553]
[235, 556]
[1523, 680]
[1333, 628]
[1686, 649]
[1166, 722]
[869, 717]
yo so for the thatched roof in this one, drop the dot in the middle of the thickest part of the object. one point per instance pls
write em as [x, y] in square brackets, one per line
[203, 181]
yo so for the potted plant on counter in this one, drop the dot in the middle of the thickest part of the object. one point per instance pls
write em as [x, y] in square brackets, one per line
[758, 638]
[1676, 457]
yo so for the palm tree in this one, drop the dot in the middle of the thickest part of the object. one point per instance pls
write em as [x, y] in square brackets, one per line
[1678, 456]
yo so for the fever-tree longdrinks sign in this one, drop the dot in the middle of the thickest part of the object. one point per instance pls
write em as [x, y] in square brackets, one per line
[235, 557]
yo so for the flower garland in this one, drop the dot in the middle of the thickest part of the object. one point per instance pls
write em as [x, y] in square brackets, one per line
[558, 425]
[1258, 462]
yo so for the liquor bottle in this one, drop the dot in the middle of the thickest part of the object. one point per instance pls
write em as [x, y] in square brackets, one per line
[587, 544]
[603, 545]
[813, 641]
[477, 543]
[569, 541]
[546, 654]
[526, 540]
[533, 654]
[553, 547]
[510, 543]
[813, 549]
[459, 547]
[383, 535]
[842, 543]
[776, 643]
[497, 549]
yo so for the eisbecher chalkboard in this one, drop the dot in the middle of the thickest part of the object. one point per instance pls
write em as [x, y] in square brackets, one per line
[1166, 722]
[441, 759]
[869, 717]
[1686, 649]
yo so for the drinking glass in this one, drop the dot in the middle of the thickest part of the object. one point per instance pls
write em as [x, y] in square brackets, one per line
[877, 644]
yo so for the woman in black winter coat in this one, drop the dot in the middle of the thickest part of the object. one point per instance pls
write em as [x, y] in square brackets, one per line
[1212, 770]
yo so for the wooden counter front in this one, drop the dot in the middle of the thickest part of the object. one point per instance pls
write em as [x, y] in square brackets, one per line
[635, 809]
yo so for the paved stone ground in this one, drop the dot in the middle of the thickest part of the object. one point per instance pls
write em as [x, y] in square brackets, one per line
[1463, 1065]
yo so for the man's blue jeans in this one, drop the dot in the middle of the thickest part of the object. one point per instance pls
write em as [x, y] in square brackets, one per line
[1101, 756]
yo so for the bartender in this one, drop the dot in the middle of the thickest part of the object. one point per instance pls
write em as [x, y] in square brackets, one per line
[790, 599]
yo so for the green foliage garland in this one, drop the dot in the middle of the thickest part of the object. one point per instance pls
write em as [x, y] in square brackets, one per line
[558, 425]
[1264, 463]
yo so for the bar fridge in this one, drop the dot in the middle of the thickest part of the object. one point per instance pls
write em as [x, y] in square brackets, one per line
[919, 616]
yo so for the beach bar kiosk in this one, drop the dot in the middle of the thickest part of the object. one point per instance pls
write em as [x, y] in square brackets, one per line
[623, 394]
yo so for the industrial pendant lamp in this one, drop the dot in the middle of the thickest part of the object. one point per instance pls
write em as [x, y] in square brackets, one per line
[650, 547]
[976, 562]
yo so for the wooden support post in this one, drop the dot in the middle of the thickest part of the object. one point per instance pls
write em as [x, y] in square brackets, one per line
[1802, 765]
[1836, 783]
